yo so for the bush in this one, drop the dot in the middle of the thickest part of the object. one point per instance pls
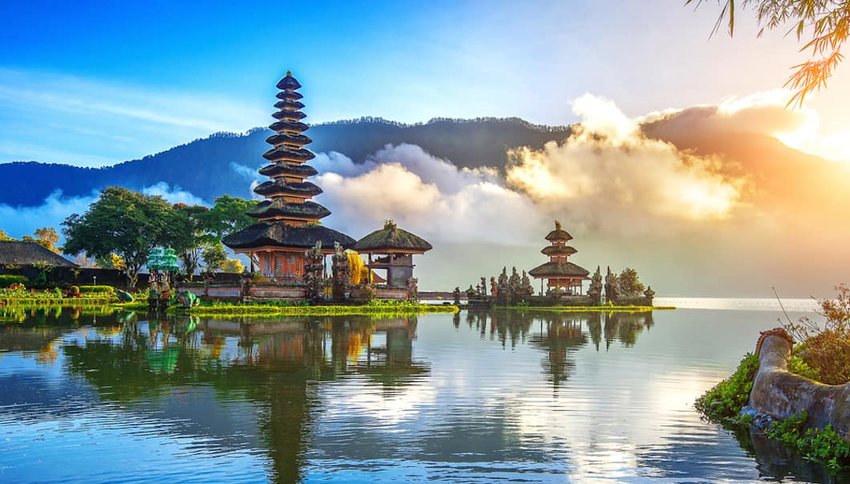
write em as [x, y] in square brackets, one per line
[826, 350]
[723, 403]
[97, 289]
[828, 353]
[7, 280]
[821, 445]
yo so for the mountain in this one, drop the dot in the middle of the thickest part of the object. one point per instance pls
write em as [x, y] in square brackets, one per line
[204, 167]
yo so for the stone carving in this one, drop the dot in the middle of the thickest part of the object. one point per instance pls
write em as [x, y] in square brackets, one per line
[777, 393]
[314, 266]
[340, 273]
[596, 287]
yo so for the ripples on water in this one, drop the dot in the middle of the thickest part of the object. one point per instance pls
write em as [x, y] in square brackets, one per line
[468, 397]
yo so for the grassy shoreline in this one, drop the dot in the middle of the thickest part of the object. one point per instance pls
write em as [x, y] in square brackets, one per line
[263, 310]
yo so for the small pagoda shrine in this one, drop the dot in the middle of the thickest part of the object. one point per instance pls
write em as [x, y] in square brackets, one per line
[563, 277]
[394, 248]
[288, 220]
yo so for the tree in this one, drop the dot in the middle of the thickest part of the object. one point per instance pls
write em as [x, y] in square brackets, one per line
[630, 284]
[228, 216]
[822, 24]
[47, 238]
[4, 237]
[188, 232]
[122, 222]
[214, 256]
[233, 266]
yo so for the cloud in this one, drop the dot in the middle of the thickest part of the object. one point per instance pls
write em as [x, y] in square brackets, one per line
[608, 176]
[175, 195]
[762, 113]
[426, 195]
[20, 221]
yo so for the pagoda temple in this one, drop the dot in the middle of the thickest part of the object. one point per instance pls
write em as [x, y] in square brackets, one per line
[287, 220]
[563, 277]
[395, 248]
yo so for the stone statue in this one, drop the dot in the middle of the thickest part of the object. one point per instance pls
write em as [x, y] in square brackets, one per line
[596, 287]
[314, 266]
[611, 286]
[340, 273]
[483, 286]
[456, 296]
[649, 294]
[412, 289]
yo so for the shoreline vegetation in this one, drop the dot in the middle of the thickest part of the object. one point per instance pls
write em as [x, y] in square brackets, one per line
[216, 308]
[820, 354]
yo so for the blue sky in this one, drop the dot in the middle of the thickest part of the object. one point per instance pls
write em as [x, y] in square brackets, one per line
[107, 81]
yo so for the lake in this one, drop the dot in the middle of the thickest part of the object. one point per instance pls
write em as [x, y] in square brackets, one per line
[472, 397]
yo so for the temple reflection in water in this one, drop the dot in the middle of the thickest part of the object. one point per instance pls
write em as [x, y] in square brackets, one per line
[256, 384]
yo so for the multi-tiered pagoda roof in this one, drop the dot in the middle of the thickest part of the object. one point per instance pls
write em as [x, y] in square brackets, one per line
[288, 217]
[559, 267]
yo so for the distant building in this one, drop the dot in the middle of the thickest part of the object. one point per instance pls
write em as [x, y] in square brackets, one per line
[562, 277]
[23, 253]
[395, 249]
[287, 221]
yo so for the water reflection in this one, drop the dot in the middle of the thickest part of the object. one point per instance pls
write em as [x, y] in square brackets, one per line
[470, 396]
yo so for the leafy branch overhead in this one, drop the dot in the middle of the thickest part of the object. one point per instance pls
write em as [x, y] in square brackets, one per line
[822, 24]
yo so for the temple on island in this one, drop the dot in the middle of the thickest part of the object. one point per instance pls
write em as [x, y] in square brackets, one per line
[394, 248]
[563, 277]
[288, 220]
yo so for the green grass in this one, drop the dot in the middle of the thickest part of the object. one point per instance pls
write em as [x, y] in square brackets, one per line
[284, 309]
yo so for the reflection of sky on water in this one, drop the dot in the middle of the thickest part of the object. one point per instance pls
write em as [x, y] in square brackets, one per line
[474, 397]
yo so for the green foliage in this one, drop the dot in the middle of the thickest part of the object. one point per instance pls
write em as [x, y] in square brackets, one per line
[630, 285]
[214, 256]
[188, 232]
[227, 216]
[4, 236]
[798, 366]
[287, 308]
[826, 349]
[820, 445]
[7, 280]
[123, 222]
[233, 266]
[723, 403]
[96, 289]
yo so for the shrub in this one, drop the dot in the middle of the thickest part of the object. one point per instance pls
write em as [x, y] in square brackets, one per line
[826, 350]
[724, 401]
[97, 289]
[821, 445]
[7, 280]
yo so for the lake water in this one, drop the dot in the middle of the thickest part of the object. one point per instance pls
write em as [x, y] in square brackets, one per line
[473, 397]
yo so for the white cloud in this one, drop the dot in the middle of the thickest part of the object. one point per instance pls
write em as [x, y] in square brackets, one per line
[20, 221]
[428, 196]
[611, 177]
[173, 195]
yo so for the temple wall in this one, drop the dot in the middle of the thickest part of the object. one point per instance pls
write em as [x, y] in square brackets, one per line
[391, 294]
[780, 394]
[79, 276]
